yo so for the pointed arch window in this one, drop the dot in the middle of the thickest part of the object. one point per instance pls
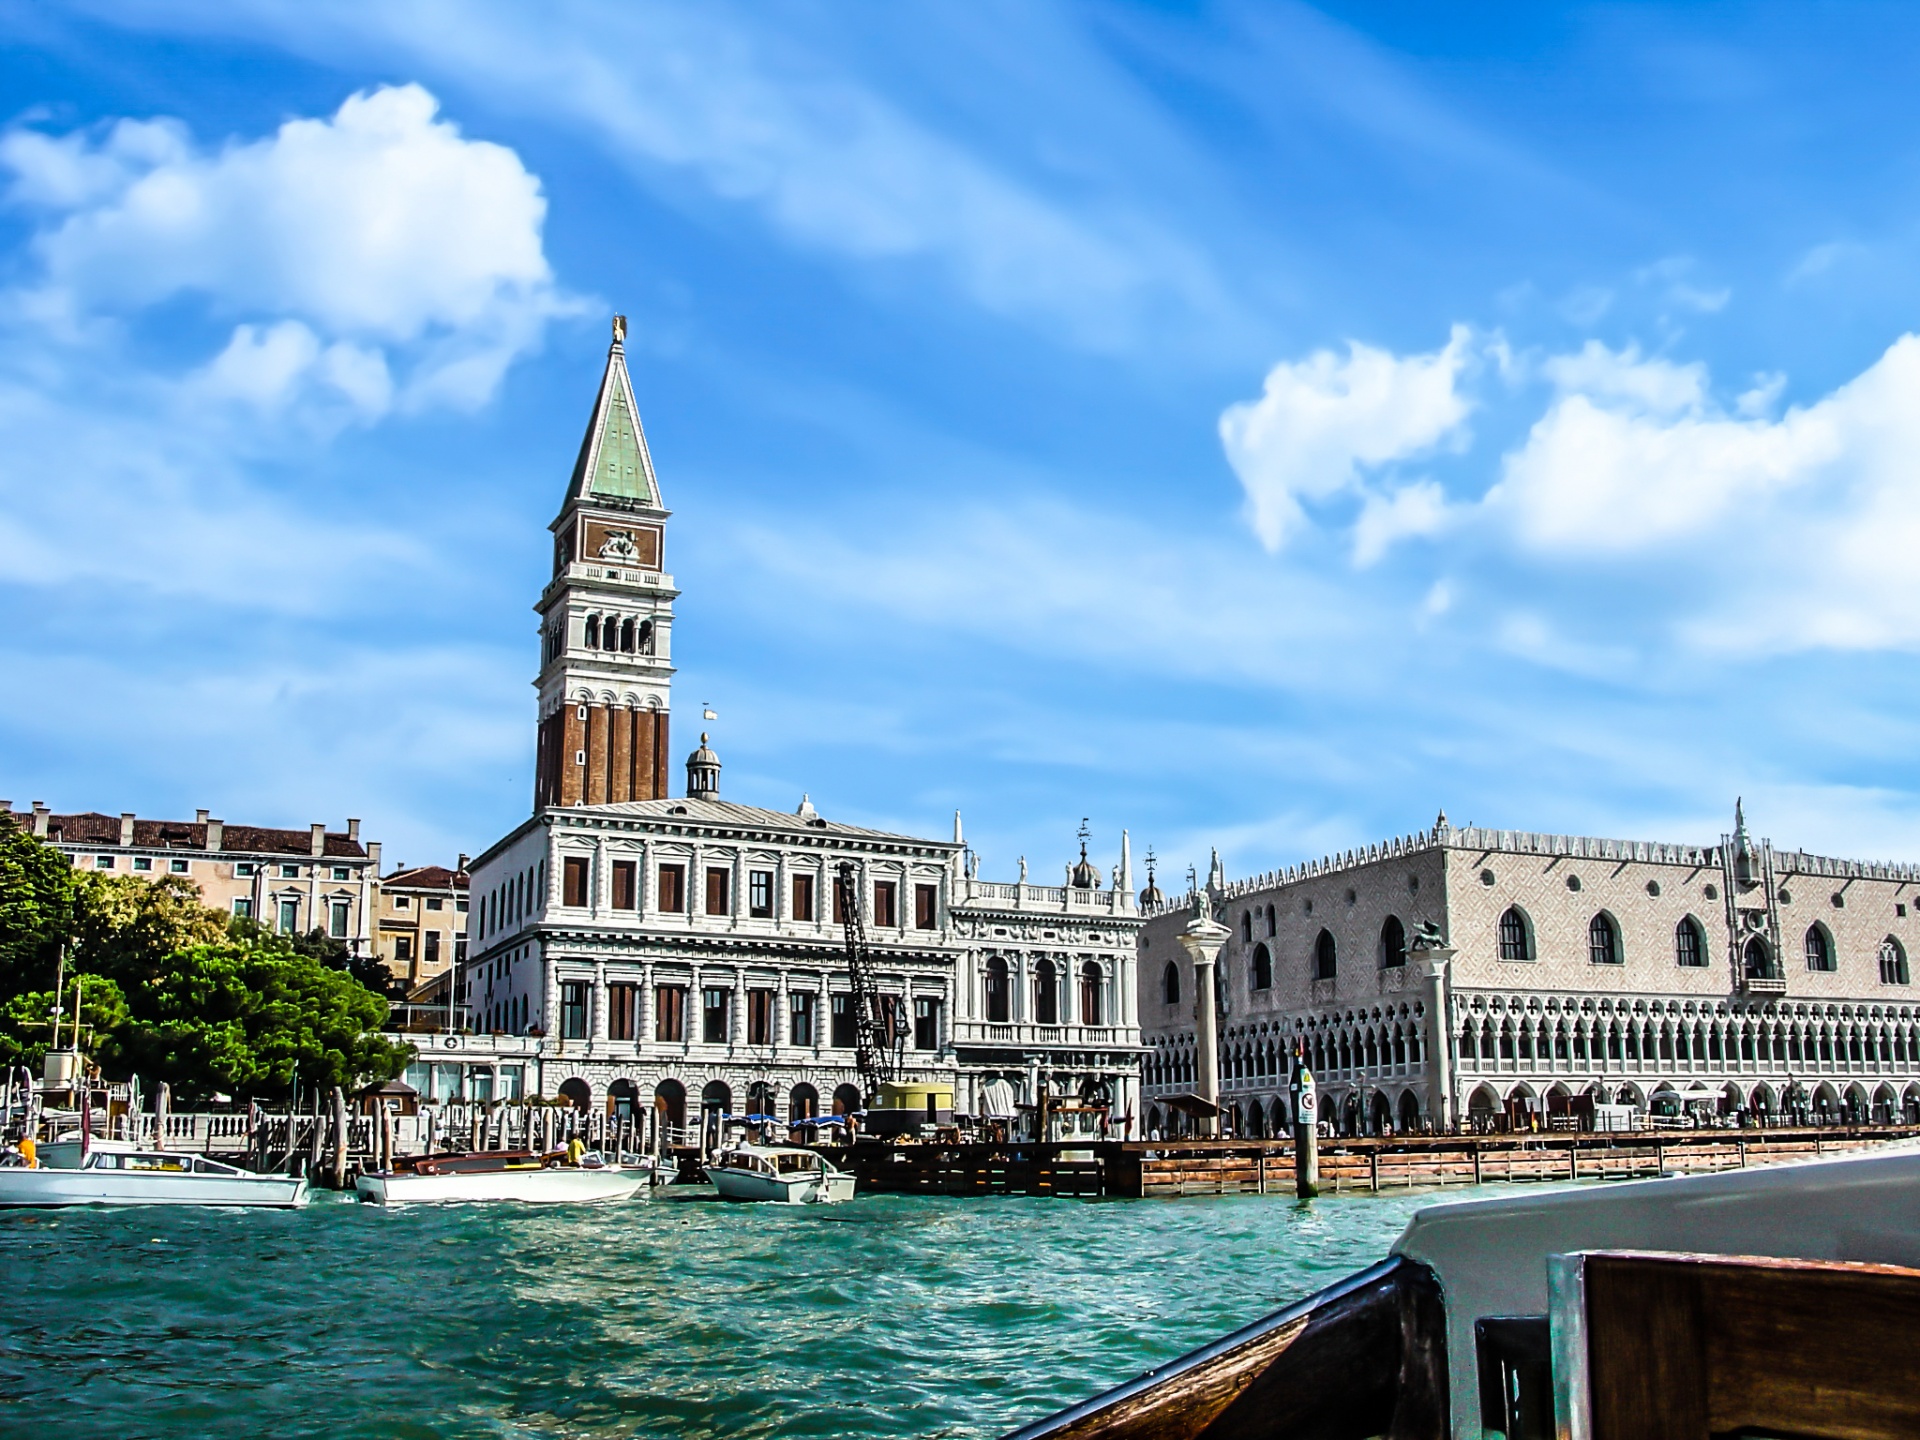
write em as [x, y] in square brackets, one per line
[1516, 936]
[1393, 944]
[1262, 969]
[1689, 944]
[1170, 983]
[1246, 926]
[1603, 940]
[1819, 948]
[1273, 925]
[1325, 956]
[1893, 962]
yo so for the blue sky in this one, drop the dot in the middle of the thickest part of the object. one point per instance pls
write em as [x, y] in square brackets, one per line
[1252, 425]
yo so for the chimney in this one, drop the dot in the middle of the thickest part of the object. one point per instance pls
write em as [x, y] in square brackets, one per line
[200, 816]
[216, 834]
[126, 829]
[353, 829]
[6, 807]
[463, 861]
[373, 854]
[40, 819]
[319, 834]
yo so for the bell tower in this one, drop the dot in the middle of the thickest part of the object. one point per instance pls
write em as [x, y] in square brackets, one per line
[606, 616]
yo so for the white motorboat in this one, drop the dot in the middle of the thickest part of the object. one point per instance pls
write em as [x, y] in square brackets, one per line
[517, 1176]
[783, 1174]
[124, 1176]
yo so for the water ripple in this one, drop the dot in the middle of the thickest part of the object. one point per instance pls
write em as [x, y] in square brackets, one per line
[682, 1318]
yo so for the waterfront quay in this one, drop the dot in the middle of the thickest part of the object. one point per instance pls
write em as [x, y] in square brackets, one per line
[1159, 1170]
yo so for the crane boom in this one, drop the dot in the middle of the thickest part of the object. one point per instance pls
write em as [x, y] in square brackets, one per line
[873, 1040]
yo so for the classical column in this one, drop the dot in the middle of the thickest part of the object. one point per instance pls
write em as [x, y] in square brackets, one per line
[1202, 940]
[599, 1029]
[1431, 953]
[550, 1001]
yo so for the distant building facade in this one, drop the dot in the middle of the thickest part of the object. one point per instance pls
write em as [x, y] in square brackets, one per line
[421, 932]
[688, 956]
[293, 881]
[1505, 977]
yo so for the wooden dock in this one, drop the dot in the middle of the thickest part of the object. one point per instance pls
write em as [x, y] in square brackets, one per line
[1135, 1169]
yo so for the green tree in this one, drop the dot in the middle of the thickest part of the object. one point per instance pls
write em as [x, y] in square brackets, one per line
[26, 1021]
[37, 888]
[174, 990]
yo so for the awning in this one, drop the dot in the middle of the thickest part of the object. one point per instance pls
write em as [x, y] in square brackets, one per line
[1191, 1105]
[996, 1100]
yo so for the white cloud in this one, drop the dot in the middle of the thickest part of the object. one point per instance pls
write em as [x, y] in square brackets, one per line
[1323, 422]
[1413, 510]
[380, 229]
[1657, 386]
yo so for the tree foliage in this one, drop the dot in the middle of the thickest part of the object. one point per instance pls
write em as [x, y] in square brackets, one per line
[176, 991]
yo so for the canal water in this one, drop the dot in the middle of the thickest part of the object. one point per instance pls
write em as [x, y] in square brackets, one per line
[687, 1317]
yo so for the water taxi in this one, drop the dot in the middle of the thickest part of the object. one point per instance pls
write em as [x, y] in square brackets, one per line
[107, 1174]
[1698, 1305]
[516, 1176]
[783, 1174]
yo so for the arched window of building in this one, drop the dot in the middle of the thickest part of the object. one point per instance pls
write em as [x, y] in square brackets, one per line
[626, 635]
[593, 632]
[643, 641]
[1516, 935]
[1603, 940]
[1819, 948]
[1756, 958]
[1393, 943]
[1170, 983]
[1091, 986]
[1246, 926]
[1325, 958]
[1272, 924]
[1262, 975]
[803, 1102]
[999, 993]
[1893, 962]
[1046, 994]
[1689, 943]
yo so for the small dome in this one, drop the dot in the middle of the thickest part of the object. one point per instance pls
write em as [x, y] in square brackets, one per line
[703, 773]
[1151, 895]
[1086, 875]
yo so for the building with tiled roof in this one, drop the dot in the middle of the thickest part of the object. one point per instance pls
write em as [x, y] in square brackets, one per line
[293, 881]
[421, 931]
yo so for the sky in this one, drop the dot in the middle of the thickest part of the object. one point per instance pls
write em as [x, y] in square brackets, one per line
[1254, 426]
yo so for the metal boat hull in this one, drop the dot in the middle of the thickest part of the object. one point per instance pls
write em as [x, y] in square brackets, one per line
[809, 1188]
[45, 1189]
[550, 1186]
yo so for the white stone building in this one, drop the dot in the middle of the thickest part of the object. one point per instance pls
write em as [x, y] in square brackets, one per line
[687, 956]
[1507, 977]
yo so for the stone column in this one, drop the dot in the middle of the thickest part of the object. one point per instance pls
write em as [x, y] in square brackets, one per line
[598, 1028]
[1432, 954]
[1202, 940]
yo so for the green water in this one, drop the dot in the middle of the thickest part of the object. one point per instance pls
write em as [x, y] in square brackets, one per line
[687, 1318]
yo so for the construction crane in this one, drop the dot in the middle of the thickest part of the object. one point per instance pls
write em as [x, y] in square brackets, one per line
[875, 1026]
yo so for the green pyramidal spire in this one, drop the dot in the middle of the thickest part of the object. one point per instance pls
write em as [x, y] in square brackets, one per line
[613, 462]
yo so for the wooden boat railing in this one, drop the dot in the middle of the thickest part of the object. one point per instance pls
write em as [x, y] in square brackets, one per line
[1363, 1358]
[1650, 1346]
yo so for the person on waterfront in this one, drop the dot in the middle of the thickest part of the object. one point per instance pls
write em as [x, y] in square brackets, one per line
[576, 1147]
